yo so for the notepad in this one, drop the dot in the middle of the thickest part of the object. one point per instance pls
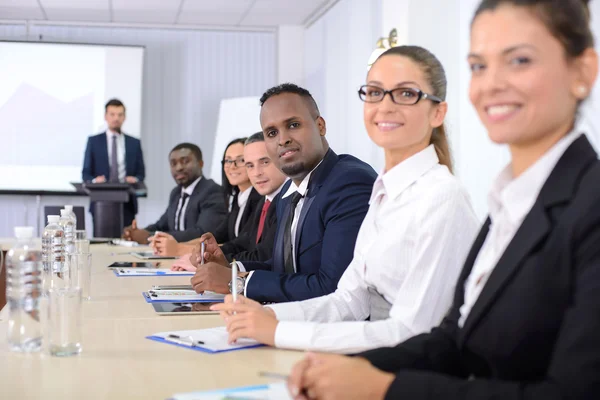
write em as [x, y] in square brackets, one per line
[276, 391]
[149, 272]
[180, 296]
[213, 340]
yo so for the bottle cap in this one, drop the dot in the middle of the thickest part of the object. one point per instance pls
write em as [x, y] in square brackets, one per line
[69, 208]
[53, 219]
[23, 232]
[63, 213]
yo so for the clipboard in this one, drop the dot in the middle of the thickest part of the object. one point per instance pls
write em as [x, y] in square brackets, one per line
[206, 299]
[217, 337]
[137, 272]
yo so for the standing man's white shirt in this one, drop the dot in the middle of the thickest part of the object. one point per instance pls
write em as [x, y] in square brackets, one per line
[120, 152]
[409, 252]
[188, 190]
[510, 200]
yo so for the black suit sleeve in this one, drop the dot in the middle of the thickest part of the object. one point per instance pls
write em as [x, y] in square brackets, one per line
[212, 212]
[163, 222]
[140, 168]
[574, 365]
[87, 172]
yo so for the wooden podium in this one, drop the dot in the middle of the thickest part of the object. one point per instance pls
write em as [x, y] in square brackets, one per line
[107, 201]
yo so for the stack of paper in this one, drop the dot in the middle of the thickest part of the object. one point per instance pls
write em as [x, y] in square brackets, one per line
[214, 340]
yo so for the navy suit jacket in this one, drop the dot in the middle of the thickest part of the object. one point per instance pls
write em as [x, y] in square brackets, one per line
[205, 211]
[96, 160]
[534, 331]
[335, 205]
[244, 247]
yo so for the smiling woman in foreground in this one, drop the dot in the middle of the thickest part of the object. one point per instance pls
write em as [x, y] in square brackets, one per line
[525, 321]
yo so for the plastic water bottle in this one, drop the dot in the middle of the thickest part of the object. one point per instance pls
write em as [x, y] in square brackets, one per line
[53, 249]
[68, 225]
[23, 293]
[69, 208]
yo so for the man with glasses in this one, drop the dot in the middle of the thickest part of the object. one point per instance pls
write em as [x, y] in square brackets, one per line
[319, 213]
[195, 205]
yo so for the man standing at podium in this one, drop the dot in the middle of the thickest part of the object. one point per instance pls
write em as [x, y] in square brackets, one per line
[113, 156]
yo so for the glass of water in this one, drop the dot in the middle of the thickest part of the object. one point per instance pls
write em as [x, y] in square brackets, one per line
[81, 272]
[64, 330]
[81, 243]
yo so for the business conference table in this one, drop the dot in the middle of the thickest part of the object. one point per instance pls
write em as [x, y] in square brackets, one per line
[117, 362]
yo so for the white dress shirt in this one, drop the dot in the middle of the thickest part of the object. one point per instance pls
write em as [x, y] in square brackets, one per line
[242, 200]
[302, 189]
[181, 208]
[120, 152]
[409, 252]
[509, 201]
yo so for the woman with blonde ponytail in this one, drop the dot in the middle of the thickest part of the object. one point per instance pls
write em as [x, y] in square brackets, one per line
[410, 245]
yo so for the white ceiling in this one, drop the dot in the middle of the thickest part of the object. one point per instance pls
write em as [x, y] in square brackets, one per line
[238, 13]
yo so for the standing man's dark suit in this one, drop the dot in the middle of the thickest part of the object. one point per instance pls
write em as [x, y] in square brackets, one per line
[226, 231]
[336, 204]
[534, 332]
[204, 213]
[96, 163]
[245, 247]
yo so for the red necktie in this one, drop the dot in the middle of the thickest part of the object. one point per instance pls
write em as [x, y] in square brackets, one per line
[261, 222]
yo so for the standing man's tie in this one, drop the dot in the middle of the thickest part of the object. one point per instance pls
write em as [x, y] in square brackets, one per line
[180, 216]
[114, 161]
[288, 240]
[261, 222]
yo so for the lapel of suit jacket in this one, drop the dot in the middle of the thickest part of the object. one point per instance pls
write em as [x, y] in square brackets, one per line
[316, 181]
[105, 162]
[558, 189]
[278, 263]
[128, 151]
[191, 216]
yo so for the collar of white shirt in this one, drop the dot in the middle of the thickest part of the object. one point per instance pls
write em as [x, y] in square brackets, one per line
[271, 196]
[403, 175]
[190, 189]
[517, 196]
[243, 196]
[303, 188]
[110, 133]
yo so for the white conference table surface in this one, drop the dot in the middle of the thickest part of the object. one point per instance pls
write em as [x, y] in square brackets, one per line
[117, 362]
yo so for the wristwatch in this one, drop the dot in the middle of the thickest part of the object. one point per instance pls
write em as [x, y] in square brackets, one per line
[240, 284]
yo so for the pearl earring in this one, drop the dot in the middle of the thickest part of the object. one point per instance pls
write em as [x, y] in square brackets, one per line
[582, 90]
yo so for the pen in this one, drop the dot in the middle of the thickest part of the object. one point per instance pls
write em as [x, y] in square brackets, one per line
[234, 274]
[202, 249]
[273, 375]
[173, 336]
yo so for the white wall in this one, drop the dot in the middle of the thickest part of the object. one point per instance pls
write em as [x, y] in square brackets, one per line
[290, 54]
[337, 48]
[186, 74]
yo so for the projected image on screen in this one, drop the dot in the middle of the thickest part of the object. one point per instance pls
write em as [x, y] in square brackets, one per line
[53, 100]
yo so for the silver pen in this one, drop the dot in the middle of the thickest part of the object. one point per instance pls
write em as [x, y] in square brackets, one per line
[202, 250]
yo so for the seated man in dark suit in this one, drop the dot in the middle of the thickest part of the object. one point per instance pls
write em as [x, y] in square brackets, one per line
[195, 204]
[113, 156]
[255, 243]
[319, 213]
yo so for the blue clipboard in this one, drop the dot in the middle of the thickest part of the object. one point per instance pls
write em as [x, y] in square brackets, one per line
[199, 348]
[157, 273]
[149, 299]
